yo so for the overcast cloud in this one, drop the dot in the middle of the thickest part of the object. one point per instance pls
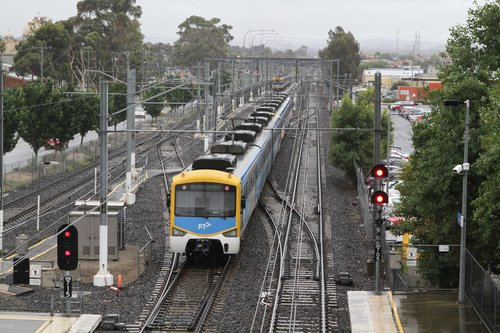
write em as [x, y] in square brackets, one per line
[300, 22]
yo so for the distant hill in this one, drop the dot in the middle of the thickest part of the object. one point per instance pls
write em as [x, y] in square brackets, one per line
[405, 47]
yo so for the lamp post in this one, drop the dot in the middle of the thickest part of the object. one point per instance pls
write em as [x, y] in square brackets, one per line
[262, 33]
[465, 169]
[258, 30]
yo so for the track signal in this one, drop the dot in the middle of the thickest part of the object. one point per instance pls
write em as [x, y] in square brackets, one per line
[379, 171]
[67, 247]
[380, 197]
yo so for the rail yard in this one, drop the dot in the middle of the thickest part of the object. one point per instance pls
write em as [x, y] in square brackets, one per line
[304, 231]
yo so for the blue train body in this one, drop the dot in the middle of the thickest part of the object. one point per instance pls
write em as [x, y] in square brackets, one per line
[212, 200]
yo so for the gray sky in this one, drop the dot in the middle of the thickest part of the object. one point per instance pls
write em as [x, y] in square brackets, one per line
[300, 22]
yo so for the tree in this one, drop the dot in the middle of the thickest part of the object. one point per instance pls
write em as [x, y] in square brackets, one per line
[2, 46]
[430, 194]
[39, 116]
[117, 100]
[110, 28]
[154, 106]
[13, 98]
[47, 48]
[85, 110]
[349, 147]
[343, 46]
[200, 39]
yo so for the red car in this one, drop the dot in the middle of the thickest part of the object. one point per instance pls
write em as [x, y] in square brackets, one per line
[56, 144]
[397, 106]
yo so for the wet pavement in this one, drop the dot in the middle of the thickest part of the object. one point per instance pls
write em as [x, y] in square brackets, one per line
[437, 312]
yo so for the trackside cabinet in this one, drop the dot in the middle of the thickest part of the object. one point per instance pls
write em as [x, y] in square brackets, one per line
[88, 232]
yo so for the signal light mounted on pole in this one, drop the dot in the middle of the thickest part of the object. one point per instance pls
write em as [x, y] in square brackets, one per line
[380, 197]
[67, 247]
[379, 171]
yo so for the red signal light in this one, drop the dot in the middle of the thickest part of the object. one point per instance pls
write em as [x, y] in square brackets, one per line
[379, 171]
[380, 197]
[67, 247]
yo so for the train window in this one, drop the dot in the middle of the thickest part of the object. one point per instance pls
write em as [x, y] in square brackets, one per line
[205, 199]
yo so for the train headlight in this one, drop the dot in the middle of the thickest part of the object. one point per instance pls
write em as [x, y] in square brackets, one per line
[177, 232]
[231, 233]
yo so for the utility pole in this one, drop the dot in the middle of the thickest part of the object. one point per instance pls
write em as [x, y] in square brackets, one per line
[41, 48]
[377, 210]
[1, 156]
[130, 197]
[207, 111]
[463, 234]
[103, 277]
[378, 131]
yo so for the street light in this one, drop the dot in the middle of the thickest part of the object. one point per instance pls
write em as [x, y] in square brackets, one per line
[258, 30]
[262, 33]
[465, 168]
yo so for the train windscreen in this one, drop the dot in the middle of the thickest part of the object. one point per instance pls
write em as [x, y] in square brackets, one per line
[205, 199]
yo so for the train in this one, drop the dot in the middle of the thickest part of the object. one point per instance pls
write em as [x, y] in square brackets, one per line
[211, 200]
[280, 82]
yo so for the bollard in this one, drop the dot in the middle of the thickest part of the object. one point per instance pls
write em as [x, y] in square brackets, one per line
[120, 282]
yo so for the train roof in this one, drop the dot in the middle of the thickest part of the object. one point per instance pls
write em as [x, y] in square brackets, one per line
[240, 135]
[255, 119]
[255, 127]
[239, 145]
[221, 162]
[229, 147]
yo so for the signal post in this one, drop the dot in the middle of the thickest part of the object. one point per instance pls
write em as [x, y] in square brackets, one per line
[67, 259]
[379, 172]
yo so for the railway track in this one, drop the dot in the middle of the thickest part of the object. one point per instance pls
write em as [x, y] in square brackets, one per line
[296, 293]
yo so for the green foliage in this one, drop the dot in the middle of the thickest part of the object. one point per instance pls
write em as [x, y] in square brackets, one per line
[347, 147]
[343, 46]
[117, 101]
[13, 98]
[38, 117]
[85, 110]
[154, 106]
[431, 194]
[111, 33]
[487, 204]
[2, 46]
[55, 41]
[373, 64]
[200, 39]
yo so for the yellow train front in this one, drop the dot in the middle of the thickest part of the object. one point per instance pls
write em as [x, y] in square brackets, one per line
[212, 200]
[205, 212]
[280, 82]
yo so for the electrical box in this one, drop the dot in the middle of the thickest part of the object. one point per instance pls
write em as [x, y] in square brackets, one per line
[394, 259]
[48, 277]
[88, 230]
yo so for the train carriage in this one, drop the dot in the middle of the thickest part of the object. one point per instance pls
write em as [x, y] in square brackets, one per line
[212, 200]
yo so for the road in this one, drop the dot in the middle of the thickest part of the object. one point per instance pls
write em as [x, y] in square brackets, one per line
[22, 154]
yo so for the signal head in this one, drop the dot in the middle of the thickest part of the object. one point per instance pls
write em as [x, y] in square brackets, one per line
[379, 171]
[380, 197]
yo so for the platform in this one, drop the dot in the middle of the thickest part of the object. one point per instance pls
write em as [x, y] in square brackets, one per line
[372, 313]
[29, 322]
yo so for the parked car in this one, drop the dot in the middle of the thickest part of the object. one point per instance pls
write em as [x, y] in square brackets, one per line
[397, 106]
[56, 144]
[417, 116]
[405, 111]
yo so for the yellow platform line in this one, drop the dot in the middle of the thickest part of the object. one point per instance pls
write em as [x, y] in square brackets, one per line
[396, 314]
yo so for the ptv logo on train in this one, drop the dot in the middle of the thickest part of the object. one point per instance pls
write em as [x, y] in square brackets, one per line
[204, 226]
